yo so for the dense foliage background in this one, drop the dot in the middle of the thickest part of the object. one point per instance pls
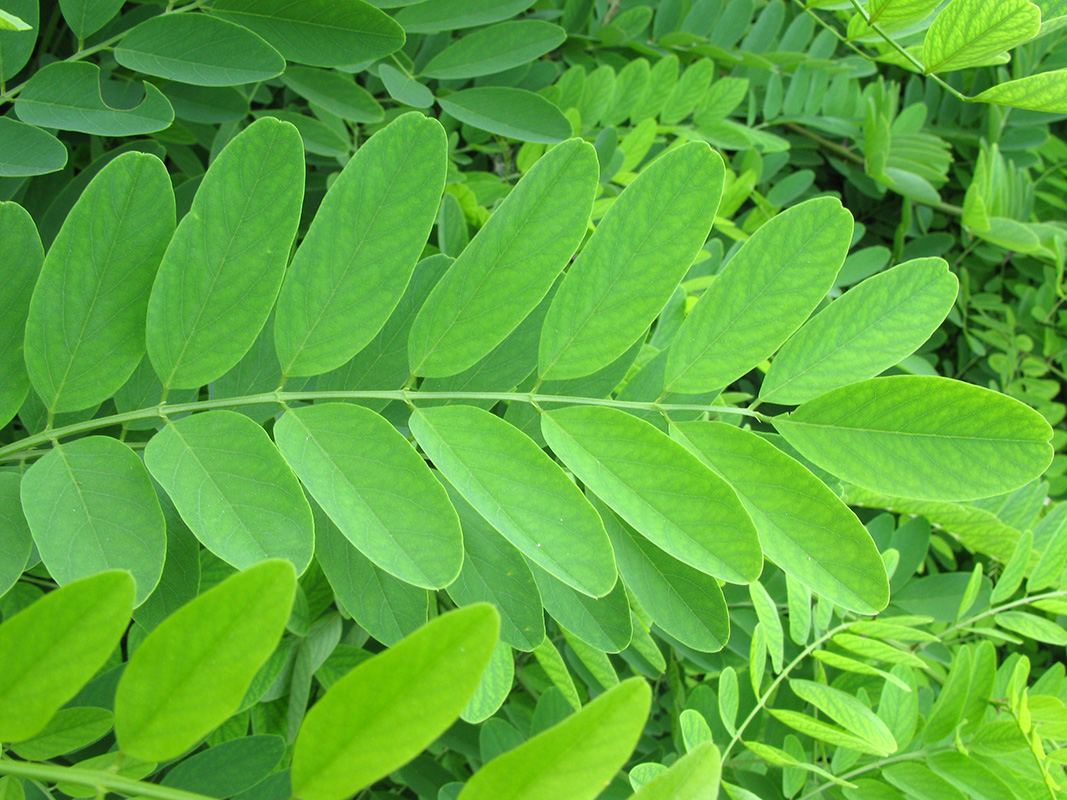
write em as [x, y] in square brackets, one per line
[905, 682]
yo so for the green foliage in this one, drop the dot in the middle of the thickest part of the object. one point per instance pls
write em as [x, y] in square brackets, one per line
[393, 394]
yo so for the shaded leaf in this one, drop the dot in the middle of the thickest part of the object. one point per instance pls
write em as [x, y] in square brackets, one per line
[507, 111]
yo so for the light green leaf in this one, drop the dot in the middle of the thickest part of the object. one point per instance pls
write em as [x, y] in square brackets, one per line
[1040, 629]
[386, 607]
[632, 263]
[928, 438]
[803, 526]
[334, 91]
[511, 482]
[51, 649]
[947, 711]
[355, 262]
[1046, 91]
[509, 265]
[85, 328]
[86, 17]
[320, 33]
[601, 622]
[659, 487]
[449, 15]
[21, 251]
[771, 622]
[831, 734]
[495, 49]
[28, 150]
[694, 776]
[164, 705]
[495, 572]
[10, 22]
[847, 711]
[16, 542]
[888, 12]
[69, 730]
[377, 490]
[970, 33]
[67, 95]
[575, 759]
[554, 666]
[867, 330]
[198, 49]
[970, 776]
[763, 294]
[506, 111]
[493, 688]
[1011, 577]
[729, 699]
[233, 489]
[683, 601]
[1054, 558]
[386, 710]
[91, 507]
[222, 270]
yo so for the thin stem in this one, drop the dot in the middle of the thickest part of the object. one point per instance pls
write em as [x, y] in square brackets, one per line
[885, 762]
[807, 651]
[164, 411]
[874, 26]
[95, 779]
[997, 609]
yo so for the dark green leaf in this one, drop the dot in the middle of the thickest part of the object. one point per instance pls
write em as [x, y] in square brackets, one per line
[506, 111]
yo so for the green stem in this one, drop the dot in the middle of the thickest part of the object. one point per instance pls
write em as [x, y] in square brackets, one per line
[905, 54]
[997, 609]
[96, 779]
[807, 651]
[885, 762]
[164, 411]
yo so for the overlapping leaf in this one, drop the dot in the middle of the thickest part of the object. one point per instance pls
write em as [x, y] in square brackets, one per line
[233, 489]
[376, 489]
[356, 260]
[222, 271]
[632, 263]
[509, 265]
[658, 487]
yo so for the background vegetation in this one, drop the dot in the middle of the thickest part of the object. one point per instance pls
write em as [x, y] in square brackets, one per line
[242, 677]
